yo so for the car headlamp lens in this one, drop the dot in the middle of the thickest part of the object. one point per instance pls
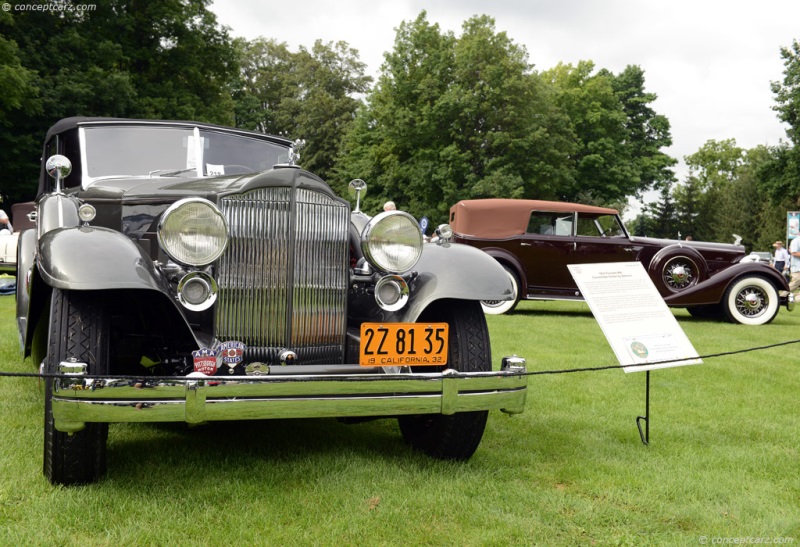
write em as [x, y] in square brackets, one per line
[392, 241]
[193, 232]
[197, 291]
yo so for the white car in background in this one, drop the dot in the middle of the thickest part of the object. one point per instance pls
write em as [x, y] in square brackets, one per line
[8, 252]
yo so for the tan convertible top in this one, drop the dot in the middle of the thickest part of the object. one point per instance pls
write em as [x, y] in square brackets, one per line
[497, 218]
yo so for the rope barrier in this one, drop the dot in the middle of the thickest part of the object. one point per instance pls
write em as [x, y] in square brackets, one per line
[141, 378]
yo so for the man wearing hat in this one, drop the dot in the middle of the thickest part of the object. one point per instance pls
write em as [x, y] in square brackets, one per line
[5, 224]
[782, 257]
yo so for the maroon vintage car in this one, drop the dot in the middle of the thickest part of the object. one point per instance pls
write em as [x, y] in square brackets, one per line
[535, 240]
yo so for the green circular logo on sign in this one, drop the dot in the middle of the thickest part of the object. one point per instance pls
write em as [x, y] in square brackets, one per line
[639, 349]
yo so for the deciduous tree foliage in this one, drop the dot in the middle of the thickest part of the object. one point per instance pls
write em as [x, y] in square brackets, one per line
[787, 92]
[618, 135]
[309, 94]
[167, 59]
[454, 118]
[467, 117]
[16, 82]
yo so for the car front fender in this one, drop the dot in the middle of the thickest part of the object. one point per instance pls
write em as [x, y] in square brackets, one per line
[93, 258]
[712, 289]
[26, 257]
[455, 271]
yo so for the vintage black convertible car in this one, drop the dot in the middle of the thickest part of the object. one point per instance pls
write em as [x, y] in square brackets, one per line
[185, 272]
[535, 240]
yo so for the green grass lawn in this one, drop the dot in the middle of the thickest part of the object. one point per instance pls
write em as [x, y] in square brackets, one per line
[722, 463]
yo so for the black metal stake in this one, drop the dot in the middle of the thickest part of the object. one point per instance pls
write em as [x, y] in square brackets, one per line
[645, 435]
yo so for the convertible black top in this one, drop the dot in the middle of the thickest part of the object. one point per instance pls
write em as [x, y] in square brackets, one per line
[71, 123]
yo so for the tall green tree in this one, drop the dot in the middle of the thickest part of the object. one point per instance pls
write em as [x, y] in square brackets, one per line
[664, 219]
[649, 132]
[783, 180]
[261, 84]
[618, 135]
[689, 208]
[454, 118]
[165, 59]
[18, 95]
[787, 92]
[16, 81]
[312, 95]
[708, 193]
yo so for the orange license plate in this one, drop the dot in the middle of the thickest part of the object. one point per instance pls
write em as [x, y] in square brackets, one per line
[403, 344]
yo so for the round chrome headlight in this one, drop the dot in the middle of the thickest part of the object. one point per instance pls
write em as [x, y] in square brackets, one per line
[193, 232]
[392, 241]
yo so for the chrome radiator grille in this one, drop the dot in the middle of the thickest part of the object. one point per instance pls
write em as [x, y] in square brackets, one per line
[283, 278]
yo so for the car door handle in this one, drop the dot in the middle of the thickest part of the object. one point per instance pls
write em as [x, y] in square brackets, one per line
[523, 244]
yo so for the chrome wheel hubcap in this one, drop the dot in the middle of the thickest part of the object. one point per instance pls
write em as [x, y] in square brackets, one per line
[751, 302]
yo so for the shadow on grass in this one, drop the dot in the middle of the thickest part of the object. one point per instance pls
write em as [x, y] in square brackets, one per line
[237, 448]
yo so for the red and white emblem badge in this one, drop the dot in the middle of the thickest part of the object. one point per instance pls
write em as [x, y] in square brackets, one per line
[205, 361]
[232, 352]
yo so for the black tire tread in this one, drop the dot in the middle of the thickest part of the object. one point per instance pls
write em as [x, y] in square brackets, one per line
[457, 436]
[79, 329]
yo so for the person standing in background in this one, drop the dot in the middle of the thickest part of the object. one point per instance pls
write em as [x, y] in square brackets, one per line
[389, 206]
[782, 257]
[794, 251]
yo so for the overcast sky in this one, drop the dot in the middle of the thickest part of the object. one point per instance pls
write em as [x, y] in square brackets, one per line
[709, 61]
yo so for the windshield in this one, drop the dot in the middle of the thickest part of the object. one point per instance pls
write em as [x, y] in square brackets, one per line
[161, 151]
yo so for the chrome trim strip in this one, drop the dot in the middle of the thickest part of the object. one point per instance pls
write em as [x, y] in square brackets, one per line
[78, 400]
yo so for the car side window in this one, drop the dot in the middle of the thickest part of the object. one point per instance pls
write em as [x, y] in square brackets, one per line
[550, 224]
[599, 225]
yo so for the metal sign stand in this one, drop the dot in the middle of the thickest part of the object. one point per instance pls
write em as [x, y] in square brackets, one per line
[645, 435]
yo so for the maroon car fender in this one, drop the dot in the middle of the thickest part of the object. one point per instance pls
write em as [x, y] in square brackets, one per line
[677, 269]
[506, 258]
[712, 289]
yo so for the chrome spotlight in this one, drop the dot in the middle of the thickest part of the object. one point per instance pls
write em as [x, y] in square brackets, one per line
[391, 292]
[197, 291]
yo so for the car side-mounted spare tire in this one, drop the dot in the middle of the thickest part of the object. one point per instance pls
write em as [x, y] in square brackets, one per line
[676, 268]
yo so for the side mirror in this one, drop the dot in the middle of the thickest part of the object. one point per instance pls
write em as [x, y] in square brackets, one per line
[58, 167]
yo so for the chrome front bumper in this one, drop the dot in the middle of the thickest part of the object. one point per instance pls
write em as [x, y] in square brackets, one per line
[77, 399]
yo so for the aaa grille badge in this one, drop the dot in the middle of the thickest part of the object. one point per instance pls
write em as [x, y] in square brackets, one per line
[205, 361]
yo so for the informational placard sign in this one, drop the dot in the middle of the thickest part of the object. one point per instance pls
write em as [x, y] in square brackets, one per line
[633, 316]
[792, 225]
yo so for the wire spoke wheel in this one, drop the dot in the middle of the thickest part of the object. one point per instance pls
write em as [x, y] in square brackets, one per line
[680, 273]
[751, 300]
